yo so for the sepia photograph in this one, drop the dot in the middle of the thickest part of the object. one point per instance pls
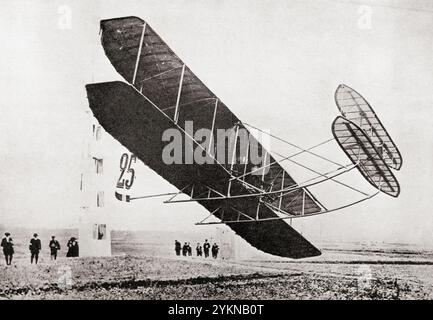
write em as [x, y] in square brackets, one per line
[216, 150]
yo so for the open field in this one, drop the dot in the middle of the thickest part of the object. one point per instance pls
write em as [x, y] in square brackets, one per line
[142, 269]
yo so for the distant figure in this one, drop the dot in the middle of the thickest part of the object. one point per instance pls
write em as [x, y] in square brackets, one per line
[73, 250]
[185, 249]
[189, 250]
[206, 246]
[397, 289]
[199, 250]
[215, 250]
[177, 247]
[34, 247]
[8, 248]
[54, 247]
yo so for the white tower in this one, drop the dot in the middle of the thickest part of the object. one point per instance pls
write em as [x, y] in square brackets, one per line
[233, 247]
[94, 230]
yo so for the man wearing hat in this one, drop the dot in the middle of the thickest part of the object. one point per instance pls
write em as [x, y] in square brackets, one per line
[35, 247]
[8, 248]
[54, 247]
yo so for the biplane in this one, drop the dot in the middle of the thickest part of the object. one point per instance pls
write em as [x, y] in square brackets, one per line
[160, 93]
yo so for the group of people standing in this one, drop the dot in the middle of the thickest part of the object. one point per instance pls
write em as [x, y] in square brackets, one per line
[186, 249]
[35, 247]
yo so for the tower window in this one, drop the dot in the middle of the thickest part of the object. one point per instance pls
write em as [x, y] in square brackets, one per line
[100, 199]
[99, 231]
[99, 163]
[98, 133]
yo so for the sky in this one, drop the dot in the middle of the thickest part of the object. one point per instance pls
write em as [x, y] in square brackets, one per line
[276, 64]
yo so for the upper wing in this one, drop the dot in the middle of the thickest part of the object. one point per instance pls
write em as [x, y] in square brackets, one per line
[146, 61]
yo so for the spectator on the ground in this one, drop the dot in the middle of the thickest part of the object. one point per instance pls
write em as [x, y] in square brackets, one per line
[199, 250]
[35, 247]
[8, 248]
[206, 247]
[189, 250]
[215, 250]
[185, 249]
[54, 247]
[73, 250]
[177, 247]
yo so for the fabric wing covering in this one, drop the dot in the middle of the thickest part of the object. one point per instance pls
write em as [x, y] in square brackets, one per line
[361, 150]
[356, 109]
[138, 125]
[147, 63]
[158, 76]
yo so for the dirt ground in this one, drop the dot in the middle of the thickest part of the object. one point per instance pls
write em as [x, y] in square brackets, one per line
[137, 271]
[141, 277]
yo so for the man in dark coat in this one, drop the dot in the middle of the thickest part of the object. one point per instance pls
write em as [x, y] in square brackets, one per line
[35, 247]
[75, 248]
[189, 250]
[177, 247]
[185, 249]
[54, 247]
[206, 247]
[199, 250]
[69, 245]
[215, 250]
[8, 248]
